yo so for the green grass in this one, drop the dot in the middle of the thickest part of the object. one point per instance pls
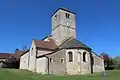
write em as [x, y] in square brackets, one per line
[14, 74]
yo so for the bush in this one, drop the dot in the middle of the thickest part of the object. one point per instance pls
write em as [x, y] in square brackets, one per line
[109, 68]
[117, 68]
[11, 63]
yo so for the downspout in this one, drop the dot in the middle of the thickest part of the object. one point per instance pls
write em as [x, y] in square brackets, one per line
[47, 64]
[91, 62]
[28, 60]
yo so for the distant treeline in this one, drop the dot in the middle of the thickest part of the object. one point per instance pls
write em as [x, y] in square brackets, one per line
[111, 63]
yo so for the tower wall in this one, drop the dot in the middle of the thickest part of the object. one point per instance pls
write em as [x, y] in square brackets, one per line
[63, 25]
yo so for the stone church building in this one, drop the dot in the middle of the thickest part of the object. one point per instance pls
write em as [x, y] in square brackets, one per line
[61, 52]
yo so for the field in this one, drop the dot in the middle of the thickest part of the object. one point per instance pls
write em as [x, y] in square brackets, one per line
[14, 74]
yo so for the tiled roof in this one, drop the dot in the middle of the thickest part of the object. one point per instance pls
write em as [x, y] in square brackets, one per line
[5, 55]
[18, 54]
[50, 44]
[69, 43]
[74, 43]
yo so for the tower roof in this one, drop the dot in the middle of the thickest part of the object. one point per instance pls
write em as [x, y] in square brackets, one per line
[65, 9]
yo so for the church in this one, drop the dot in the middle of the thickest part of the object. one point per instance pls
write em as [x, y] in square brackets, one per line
[61, 52]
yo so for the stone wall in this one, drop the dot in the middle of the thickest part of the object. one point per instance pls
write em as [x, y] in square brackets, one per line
[78, 66]
[24, 61]
[55, 65]
[32, 60]
[98, 64]
[41, 65]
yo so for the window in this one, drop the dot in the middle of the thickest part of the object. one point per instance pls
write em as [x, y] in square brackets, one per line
[70, 54]
[84, 56]
[67, 15]
[51, 60]
[32, 52]
[56, 16]
[61, 60]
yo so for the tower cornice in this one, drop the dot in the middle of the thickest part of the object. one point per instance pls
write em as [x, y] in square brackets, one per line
[65, 9]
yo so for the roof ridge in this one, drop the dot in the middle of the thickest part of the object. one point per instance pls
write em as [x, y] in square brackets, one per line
[48, 36]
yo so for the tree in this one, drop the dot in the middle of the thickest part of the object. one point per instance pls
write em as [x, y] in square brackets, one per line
[117, 61]
[106, 59]
[16, 50]
[25, 48]
[11, 62]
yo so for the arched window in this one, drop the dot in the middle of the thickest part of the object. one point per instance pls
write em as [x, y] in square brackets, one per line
[84, 56]
[70, 54]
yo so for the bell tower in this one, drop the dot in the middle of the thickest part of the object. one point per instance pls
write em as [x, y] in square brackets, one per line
[63, 25]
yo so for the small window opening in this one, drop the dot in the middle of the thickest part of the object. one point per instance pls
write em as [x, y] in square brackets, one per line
[67, 15]
[51, 60]
[62, 61]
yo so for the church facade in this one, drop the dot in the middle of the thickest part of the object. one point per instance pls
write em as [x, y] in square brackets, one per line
[61, 52]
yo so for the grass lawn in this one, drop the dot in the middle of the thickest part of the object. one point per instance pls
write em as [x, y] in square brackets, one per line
[14, 74]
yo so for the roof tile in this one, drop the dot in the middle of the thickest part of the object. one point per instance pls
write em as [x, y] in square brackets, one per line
[50, 44]
[5, 55]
